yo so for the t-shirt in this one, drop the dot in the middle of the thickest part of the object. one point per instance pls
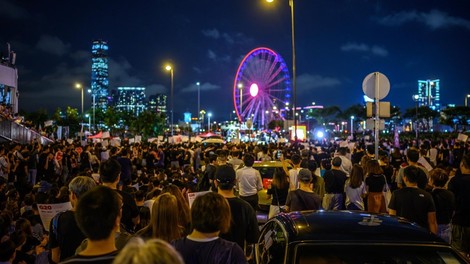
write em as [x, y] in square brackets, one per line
[413, 204]
[460, 186]
[216, 251]
[334, 181]
[68, 237]
[244, 225]
[129, 210]
[279, 195]
[375, 182]
[299, 200]
[100, 259]
[444, 201]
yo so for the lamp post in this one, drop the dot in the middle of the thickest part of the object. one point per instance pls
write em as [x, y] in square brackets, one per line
[466, 100]
[209, 122]
[294, 82]
[352, 127]
[240, 87]
[199, 103]
[89, 121]
[93, 95]
[170, 69]
[79, 86]
[416, 99]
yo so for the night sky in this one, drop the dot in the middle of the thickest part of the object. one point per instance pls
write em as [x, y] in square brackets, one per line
[338, 43]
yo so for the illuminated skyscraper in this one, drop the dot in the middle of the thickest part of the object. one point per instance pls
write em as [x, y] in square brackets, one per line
[157, 103]
[99, 74]
[429, 94]
[131, 99]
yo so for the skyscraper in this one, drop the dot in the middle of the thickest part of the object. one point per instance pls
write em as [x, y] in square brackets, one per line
[157, 103]
[131, 99]
[429, 94]
[99, 74]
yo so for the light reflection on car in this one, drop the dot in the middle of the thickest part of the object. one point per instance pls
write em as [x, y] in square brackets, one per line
[349, 237]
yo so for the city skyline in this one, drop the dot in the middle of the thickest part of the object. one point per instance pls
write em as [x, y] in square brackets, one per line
[337, 44]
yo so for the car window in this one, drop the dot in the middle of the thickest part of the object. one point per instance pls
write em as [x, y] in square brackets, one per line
[266, 172]
[271, 247]
[387, 254]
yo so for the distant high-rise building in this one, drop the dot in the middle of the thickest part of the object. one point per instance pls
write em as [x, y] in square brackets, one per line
[157, 103]
[131, 99]
[99, 74]
[429, 94]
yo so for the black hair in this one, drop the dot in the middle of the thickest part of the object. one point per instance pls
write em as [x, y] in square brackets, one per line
[249, 160]
[97, 211]
[110, 170]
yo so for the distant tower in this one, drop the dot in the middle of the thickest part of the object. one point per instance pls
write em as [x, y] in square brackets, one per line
[99, 74]
[429, 94]
[157, 103]
[131, 99]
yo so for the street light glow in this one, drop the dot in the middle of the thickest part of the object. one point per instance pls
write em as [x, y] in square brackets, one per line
[269, 1]
[78, 86]
[168, 67]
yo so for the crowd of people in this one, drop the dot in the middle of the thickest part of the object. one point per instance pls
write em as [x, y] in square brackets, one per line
[129, 203]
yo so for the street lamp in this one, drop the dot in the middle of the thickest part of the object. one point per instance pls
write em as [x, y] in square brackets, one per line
[209, 122]
[416, 99]
[89, 121]
[79, 86]
[170, 69]
[198, 102]
[93, 106]
[240, 87]
[466, 100]
[294, 82]
[352, 127]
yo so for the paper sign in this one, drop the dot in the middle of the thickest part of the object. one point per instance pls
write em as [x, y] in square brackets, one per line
[184, 138]
[192, 196]
[48, 211]
[105, 134]
[138, 139]
[462, 137]
[131, 140]
[425, 163]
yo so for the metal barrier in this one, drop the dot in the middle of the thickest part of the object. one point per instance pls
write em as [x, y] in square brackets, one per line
[12, 131]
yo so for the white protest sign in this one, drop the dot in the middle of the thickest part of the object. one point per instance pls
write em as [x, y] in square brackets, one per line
[138, 139]
[462, 137]
[192, 196]
[48, 211]
[425, 163]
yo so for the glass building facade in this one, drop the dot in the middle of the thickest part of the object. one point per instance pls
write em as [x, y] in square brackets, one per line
[131, 99]
[157, 103]
[429, 94]
[99, 74]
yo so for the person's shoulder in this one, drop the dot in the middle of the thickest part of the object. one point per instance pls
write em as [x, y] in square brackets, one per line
[101, 259]
[240, 203]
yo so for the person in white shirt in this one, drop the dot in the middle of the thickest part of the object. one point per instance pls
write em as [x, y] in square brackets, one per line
[249, 182]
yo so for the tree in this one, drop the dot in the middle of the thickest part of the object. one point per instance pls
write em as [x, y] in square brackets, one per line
[37, 118]
[458, 116]
[145, 124]
[325, 115]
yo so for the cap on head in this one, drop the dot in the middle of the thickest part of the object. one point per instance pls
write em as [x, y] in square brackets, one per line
[305, 175]
[225, 174]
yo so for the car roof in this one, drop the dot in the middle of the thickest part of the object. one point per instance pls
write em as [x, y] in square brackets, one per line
[344, 226]
[271, 163]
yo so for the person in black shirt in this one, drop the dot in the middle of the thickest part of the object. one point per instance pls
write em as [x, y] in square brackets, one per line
[110, 171]
[98, 215]
[303, 198]
[334, 186]
[444, 201]
[64, 234]
[244, 225]
[414, 203]
[460, 186]
[278, 191]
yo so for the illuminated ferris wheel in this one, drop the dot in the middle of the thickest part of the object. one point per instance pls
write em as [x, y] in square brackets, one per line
[262, 87]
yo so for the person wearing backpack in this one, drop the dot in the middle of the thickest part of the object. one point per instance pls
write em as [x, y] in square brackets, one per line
[65, 235]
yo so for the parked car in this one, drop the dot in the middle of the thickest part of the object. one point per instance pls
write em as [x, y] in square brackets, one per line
[349, 237]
